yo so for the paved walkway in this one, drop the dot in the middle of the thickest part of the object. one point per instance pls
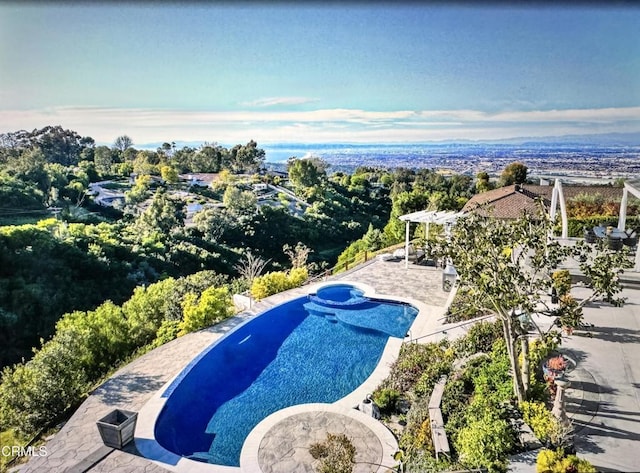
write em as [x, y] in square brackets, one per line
[603, 401]
[78, 444]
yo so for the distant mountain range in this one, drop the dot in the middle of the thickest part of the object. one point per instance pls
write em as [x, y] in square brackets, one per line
[599, 140]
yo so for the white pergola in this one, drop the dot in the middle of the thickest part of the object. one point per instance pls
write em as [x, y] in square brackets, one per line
[557, 197]
[634, 188]
[427, 217]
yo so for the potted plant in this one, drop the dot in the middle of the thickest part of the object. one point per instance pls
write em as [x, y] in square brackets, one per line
[117, 428]
[555, 365]
[551, 369]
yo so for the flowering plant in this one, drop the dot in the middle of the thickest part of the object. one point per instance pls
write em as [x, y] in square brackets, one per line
[557, 363]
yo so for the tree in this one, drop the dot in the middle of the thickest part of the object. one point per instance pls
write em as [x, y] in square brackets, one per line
[60, 145]
[103, 159]
[239, 202]
[514, 173]
[373, 239]
[145, 163]
[213, 222]
[306, 172]
[123, 142]
[250, 266]
[169, 174]
[482, 182]
[163, 217]
[139, 191]
[30, 166]
[247, 158]
[506, 267]
[297, 255]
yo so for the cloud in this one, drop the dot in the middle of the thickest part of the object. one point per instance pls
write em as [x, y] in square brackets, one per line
[277, 101]
[321, 125]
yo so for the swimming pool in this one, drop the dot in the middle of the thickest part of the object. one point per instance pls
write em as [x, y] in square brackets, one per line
[313, 349]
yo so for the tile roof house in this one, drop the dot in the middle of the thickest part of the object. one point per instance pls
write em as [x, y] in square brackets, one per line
[512, 201]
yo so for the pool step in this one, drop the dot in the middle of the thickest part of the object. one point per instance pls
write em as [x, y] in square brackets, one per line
[200, 456]
[320, 311]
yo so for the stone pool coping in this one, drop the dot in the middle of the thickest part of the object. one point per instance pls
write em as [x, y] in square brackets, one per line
[148, 446]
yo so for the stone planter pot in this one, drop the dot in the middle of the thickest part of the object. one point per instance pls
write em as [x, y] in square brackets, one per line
[117, 428]
[614, 243]
[590, 237]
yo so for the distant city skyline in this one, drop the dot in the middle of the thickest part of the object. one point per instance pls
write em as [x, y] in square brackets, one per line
[360, 73]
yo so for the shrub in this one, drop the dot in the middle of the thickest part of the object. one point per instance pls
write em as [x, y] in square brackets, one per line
[480, 338]
[418, 367]
[454, 404]
[105, 337]
[147, 308]
[168, 331]
[492, 379]
[35, 394]
[485, 443]
[539, 418]
[463, 307]
[213, 306]
[415, 362]
[541, 349]
[555, 461]
[416, 437]
[562, 282]
[278, 281]
[430, 376]
[424, 463]
[386, 399]
[297, 277]
[336, 454]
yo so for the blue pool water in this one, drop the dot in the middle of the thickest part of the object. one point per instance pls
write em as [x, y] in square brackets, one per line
[303, 351]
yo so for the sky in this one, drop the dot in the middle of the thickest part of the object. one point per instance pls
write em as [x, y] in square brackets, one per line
[312, 73]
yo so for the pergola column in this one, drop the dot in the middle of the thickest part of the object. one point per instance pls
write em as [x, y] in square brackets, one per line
[406, 244]
[622, 219]
[558, 197]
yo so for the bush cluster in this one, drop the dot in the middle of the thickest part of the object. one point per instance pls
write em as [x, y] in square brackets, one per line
[277, 281]
[474, 404]
[463, 307]
[418, 367]
[475, 407]
[539, 418]
[479, 339]
[386, 399]
[86, 345]
[416, 438]
[556, 461]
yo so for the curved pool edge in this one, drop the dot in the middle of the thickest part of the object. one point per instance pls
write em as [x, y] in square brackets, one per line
[151, 449]
[249, 455]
